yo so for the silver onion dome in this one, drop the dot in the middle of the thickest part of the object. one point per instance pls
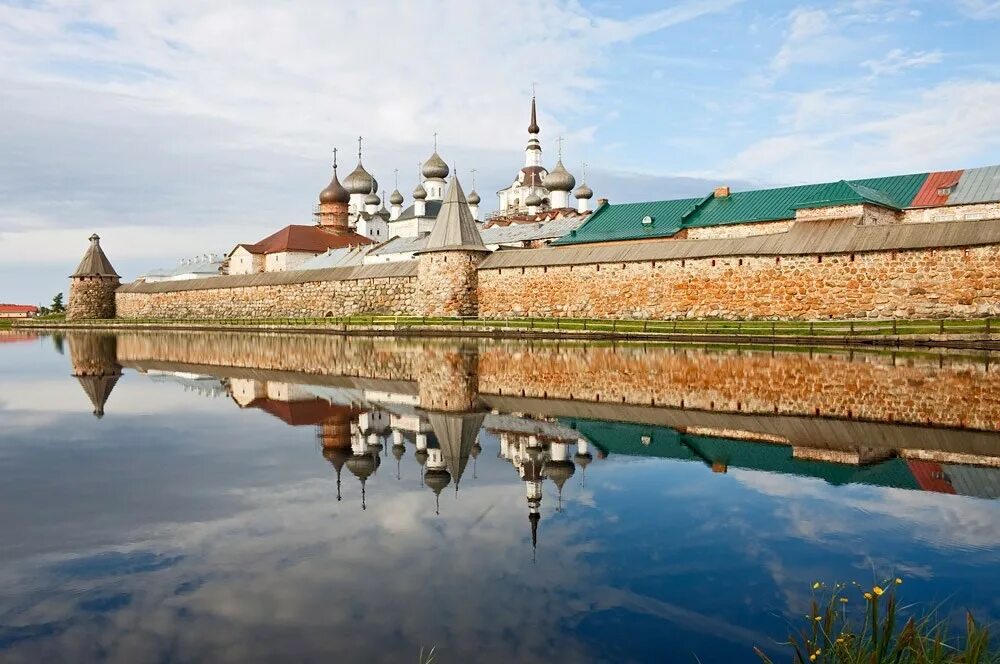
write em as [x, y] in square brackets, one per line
[360, 181]
[583, 191]
[420, 193]
[435, 167]
[473, 198]
[372, 199]
[396, 198]
[559, 179]
[533, 199]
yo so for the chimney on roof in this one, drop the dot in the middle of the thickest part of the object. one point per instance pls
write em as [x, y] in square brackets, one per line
[722, 192]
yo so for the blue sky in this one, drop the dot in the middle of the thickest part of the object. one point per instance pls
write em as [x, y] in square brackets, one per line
[175, 128]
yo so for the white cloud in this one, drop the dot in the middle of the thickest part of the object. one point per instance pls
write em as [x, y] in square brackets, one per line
[808, 39]
[899, 59]
[983, 10]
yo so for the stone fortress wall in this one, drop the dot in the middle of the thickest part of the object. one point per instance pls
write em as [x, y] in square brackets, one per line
[834, 263]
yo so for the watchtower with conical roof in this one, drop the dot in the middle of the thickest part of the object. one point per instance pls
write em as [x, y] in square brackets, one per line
[334, 200]
[93, 285]
[447, 278]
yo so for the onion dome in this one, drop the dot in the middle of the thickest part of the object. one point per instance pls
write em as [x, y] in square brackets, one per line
[437, 479]
[533, 200]
[421, 457]
[363, 466]
[533, 127]
[360, 181]
[372, 199]
[435, 167]
[559, 179]
[473, 198]
[583, 460]
[396, 198]
[334, 192]
[420, 193]
[559, 471]
[398, 450]
[583, 191]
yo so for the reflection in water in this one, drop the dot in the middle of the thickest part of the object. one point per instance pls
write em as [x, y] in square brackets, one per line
[739, 482]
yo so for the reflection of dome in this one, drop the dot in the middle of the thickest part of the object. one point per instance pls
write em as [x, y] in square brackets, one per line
[421, 457]
[559, 179]
[583, 460]
[337, 456]
[583, 191]
[396, 198]
[559, 471]
[420, 193]
[473, 198]
[437, 479]
[398, 451]
[532, 200]
[476, 450]
[360, 181]
[435, 167]
[363, 466]
[334, 192]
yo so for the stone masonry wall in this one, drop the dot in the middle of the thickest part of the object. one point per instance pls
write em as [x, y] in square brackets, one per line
[845, 385]
[447, 283]
[736, 230]
[952, 213]
[904, 284]
[314, 299]
[91, 297]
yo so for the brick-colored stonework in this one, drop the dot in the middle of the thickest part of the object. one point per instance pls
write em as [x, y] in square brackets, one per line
[92, 297]
[447, 283]
[853, 386]
[903, 284]
[308, 299]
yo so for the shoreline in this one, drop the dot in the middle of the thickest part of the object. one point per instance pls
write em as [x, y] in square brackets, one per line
[977, 334]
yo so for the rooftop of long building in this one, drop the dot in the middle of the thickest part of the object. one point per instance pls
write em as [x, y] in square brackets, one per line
[664, 219]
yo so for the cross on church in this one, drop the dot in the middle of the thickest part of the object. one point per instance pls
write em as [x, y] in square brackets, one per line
[359, 148]
[559, 142]
[473, 178]
[435, 141]
[335, 159]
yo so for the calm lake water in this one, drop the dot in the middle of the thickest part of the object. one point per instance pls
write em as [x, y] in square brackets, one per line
[260, 498]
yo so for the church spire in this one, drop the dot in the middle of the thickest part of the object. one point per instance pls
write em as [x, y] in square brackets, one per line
[533, 127]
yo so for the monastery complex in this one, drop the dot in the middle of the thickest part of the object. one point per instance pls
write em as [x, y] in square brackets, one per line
[924, 245]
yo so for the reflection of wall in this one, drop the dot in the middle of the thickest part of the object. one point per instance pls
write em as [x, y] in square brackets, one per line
[448, 378]
[918, 391]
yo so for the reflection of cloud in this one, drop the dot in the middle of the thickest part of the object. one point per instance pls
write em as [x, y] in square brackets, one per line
[947, 522]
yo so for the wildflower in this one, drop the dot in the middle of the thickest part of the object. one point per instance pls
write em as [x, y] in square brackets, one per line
[812, 658]
[898, 580]
[843, 600]
[818, 618]
[840, 639]
[868, 596]
[816, 585]
[878, 590]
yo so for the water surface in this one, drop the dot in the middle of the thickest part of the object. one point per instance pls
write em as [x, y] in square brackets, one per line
[263, 497]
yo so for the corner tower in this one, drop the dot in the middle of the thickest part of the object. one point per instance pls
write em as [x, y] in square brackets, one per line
[92, 287]
[447, 278]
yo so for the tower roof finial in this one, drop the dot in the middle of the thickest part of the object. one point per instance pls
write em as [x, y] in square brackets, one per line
[359, 149]
[335, 160]
[533, 127]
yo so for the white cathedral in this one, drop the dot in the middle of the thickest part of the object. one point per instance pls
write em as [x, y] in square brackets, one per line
[534, 191]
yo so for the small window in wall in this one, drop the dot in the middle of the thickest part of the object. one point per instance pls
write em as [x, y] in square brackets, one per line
[777, 259]
[819, 259]
[713, 262]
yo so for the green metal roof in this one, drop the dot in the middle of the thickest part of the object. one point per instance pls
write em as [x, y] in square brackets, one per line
[624, 222]
[627, 439]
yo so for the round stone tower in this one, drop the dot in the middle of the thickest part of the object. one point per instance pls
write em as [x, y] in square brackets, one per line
[447, 271]
[92, 287]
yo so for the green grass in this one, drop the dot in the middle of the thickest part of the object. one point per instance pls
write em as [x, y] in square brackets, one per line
[5, 323]
[710, 327]
[848, 624]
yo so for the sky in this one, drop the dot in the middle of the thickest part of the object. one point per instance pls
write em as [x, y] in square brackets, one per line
[178, 128]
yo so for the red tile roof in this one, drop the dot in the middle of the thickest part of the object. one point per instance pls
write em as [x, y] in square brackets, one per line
[928, 195]
[306, 238]
[301, 413]
[18, 309]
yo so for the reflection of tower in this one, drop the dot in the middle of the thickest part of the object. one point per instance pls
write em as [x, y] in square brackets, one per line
[421, 455]
[95, 365]
[337, 456]
[398, 449]
[448, 378]
[476, 451]
[363, 463]
[456, 435]
[437, 476]
[531, 475]
[583, 457]
[335, 437]
[559, 468]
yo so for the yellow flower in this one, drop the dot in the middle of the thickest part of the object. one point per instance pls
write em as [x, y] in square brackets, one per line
[840, 639]
[843, 600]
[818, 618]
[812, 658]
[868, 595]
[877, 590]
[816, 585]
[898, 580]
